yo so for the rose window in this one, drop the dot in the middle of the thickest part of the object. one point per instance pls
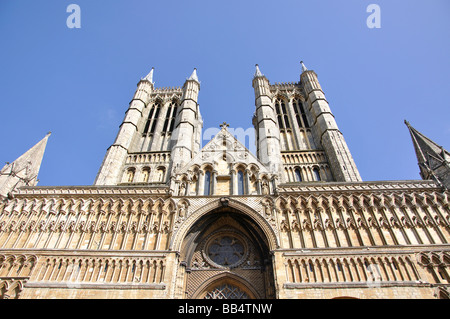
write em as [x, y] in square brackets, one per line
[225, 251]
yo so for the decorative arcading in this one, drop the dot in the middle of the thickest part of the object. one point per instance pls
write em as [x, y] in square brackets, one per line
[88, 223]
[363, 269]
[300, 220]
[76, 271]
[106, 270]
[347, 220]
[12, 287]
[313, 221]
[437, 265]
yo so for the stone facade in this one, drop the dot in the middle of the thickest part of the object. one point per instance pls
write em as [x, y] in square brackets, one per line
[168, 219]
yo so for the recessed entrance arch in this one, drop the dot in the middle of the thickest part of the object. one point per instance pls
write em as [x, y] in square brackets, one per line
[227, 255]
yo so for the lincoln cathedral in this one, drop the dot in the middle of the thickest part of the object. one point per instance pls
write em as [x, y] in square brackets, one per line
[169, 218]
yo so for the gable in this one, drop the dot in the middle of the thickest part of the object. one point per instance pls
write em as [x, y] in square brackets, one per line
[223, 153]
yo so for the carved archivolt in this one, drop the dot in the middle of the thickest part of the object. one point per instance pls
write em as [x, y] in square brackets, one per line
[263, 223]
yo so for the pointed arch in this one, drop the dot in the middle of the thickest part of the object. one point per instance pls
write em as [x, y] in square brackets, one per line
[266, 228]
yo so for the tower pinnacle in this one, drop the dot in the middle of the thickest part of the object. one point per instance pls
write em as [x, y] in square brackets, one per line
[257, 72]
[303, 67]
[194, 76]
[149, 76]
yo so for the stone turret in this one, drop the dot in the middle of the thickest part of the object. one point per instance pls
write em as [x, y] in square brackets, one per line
[330, 137]
[186, 133]
[111, 169]
[264, 121]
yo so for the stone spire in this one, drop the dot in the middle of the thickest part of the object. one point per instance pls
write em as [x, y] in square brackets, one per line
[24, 170]
[433, 159]
[149, 76]
[194, 76]
[257, 72]
[303, 67]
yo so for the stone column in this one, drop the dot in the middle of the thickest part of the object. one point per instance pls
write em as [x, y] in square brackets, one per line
[214, 182]
[201, 183]
[258, 186]
[247, 182]
[233, 182]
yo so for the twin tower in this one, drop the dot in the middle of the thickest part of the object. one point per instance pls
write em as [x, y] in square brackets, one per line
[160, 141]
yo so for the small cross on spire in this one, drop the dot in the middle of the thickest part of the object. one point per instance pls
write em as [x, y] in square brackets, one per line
[224, 124]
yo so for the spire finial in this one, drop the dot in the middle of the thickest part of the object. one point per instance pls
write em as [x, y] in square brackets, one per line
[149, 76]
[257, 72]
[194, 76]
[303, 67]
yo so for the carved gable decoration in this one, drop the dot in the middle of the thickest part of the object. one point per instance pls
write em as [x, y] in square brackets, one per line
[223, 153]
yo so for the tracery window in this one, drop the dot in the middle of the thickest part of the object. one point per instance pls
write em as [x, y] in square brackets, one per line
[226, 250]
[226, 291]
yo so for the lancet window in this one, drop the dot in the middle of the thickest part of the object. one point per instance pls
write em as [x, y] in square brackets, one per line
[300, 114]
[152, 118]
[169, 122]
[282, 117]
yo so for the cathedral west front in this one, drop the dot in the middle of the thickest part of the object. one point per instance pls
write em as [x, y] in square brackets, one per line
[168, 218]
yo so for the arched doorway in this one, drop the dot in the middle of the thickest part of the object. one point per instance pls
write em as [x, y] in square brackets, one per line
[227, 256]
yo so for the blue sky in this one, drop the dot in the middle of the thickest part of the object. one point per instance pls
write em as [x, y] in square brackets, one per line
[77, 83]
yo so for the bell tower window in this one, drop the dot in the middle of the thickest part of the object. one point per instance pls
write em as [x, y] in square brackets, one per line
[282, 116]
[169, 122]
[300, 114]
